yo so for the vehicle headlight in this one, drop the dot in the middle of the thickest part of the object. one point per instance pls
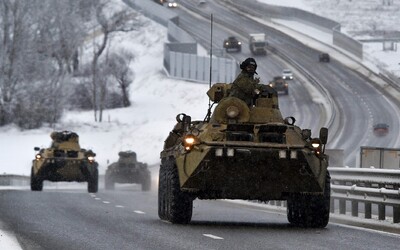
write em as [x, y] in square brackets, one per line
[240, 43]
[90, 158]
[232, 111]
[316, 145]
[38, 157]
[189, 141]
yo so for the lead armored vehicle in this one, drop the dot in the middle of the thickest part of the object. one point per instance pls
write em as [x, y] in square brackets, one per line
[64, 160]
[242, 152]
[128, 170]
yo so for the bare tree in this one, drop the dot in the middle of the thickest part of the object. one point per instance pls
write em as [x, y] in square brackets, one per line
[119, 68]
[119, 22]
[59, 31]
[38, 41]
[14, 38]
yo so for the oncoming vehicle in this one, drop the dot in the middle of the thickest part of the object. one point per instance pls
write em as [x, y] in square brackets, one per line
[279, 84]
[324, 57]
[381, 129]
[242, 152]
[287, 74]
[64, 160]
[232, 44]
[171, 3]
[128, 170]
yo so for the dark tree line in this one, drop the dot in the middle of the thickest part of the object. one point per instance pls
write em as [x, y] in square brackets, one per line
[54, 56]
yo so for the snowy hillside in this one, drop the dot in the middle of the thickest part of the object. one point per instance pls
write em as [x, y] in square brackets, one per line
[143, 127]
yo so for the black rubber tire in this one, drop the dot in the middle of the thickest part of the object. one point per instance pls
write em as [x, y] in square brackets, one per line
[162, 179]
[93, 182]
[177, 206]
[310, 210]
[36, 183]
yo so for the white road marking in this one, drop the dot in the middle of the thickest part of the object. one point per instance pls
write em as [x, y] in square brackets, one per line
[139, 212]
[213, 237]
[119, 206]
[97, 198]
[106, 202]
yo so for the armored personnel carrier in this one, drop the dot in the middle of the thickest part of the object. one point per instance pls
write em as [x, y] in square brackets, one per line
[128, 170]
[64, 160]
[242, 152]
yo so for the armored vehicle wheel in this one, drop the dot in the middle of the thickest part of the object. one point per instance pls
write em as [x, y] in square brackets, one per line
[36, 183]
[162, 180]
[176, 206]
[146, 182]
[109, 183]
[310, 210]
[93, 182]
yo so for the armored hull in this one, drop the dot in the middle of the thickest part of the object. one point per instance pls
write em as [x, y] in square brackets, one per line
[128, 170]
[248, 153]
[64, 160]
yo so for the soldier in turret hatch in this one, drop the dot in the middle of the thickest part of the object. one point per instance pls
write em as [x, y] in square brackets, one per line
[246, 87]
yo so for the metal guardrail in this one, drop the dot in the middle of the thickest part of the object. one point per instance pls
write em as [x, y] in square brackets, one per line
[14, 180]
[360, 186]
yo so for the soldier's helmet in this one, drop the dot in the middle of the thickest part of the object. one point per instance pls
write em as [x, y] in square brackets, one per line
[247, 62]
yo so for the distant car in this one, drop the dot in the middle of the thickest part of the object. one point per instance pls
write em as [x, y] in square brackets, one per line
[170, 3]
[232, 43]
[280, 85]
[324, 57]
[287, 74]
[381, 129]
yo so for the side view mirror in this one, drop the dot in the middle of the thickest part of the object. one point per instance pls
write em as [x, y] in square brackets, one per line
[36, 148]
[323, 135]
[186, 120]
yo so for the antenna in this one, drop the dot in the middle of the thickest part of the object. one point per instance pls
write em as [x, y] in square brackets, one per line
[209, 101]
[211, 48]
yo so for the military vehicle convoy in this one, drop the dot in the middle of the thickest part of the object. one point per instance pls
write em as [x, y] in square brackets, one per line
[128, 170]
[242, 152]
[64, 160]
